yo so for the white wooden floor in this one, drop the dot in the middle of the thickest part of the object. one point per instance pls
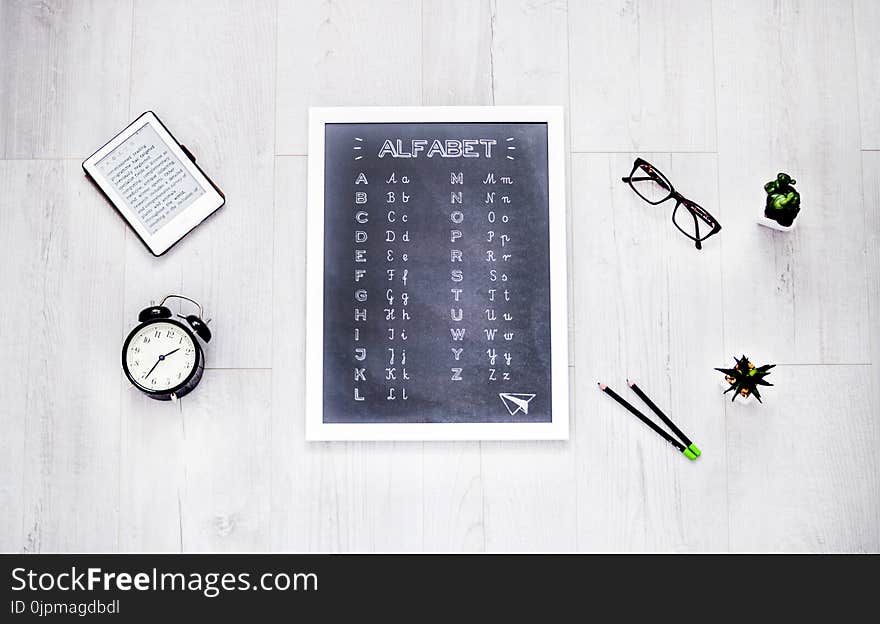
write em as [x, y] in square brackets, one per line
[719, 94]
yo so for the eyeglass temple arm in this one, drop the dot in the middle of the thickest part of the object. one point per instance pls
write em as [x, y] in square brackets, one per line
[697, 242]
[642, 179]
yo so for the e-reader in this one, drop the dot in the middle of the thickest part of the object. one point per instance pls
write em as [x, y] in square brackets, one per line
[436, 274]
[154, 183]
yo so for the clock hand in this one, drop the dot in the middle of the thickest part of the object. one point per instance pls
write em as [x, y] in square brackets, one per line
[161, 357]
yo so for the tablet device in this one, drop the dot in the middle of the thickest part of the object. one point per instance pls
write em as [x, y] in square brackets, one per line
[153, 182]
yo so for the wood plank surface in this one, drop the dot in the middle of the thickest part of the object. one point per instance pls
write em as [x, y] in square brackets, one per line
[719, 94]
[61, 345]
[65, 76]
[800, 294]
[641, 76]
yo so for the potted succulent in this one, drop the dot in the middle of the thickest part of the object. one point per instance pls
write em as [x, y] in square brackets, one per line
[783, 203]
[744, 378]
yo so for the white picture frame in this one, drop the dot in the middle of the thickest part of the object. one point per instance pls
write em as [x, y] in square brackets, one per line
[316, 428]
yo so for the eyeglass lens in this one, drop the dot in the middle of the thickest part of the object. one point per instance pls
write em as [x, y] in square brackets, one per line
[650, 184]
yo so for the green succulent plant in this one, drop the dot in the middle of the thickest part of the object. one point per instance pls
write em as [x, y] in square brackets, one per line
[744, 378]
[783, 201]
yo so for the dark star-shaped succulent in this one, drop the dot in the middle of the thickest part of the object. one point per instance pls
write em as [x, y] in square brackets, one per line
[744, 378]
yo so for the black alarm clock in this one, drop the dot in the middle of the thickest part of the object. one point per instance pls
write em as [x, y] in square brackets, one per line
[162, 357]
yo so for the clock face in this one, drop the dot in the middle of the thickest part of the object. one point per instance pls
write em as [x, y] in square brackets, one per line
[160, 356]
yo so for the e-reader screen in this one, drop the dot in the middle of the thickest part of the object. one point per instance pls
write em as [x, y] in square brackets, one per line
[150, 178]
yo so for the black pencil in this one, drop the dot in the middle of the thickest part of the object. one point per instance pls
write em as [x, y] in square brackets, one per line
[664, 418]
[675, 443]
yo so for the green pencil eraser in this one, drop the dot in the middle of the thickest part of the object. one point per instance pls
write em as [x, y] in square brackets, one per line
[687, 453]
[693, 448]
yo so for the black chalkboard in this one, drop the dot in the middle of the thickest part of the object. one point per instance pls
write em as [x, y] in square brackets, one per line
[436, 273]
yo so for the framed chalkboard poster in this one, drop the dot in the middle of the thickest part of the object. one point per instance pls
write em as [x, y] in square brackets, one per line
[436, 274]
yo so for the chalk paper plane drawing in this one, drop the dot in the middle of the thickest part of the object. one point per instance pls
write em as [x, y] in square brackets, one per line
[516, 402]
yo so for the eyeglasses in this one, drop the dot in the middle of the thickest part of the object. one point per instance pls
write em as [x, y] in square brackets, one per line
[655, 188]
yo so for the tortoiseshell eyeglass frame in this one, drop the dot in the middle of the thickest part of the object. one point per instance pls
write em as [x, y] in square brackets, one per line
[697, 212]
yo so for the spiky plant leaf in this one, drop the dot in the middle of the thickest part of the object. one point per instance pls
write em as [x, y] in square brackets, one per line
[744, 378]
